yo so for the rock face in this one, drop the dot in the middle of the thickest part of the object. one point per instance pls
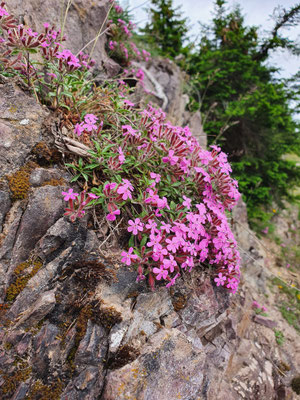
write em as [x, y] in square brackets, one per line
[76, 325]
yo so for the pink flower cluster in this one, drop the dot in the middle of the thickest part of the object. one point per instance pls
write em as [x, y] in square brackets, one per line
[77, 203]
[88, 125]
[256, 306]
[120, 44]
[196, 230]
[47, 43]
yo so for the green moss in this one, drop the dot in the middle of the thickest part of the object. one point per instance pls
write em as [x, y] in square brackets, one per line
[108, 317]
[20, 278]
[19, 181]
[45, 392]
[7, 346]
[54, 182]
[279, 337]
[11, 382]
[81, 326]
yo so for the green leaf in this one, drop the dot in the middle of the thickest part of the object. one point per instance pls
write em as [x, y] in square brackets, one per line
[144, 240]
[76, 177]
[131, 241]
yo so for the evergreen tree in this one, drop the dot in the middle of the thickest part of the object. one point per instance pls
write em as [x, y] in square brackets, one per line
[167, 29]
[244, 107]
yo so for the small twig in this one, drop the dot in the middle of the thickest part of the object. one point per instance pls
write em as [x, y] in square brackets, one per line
[91, 41]
[109, 236]
[65, 18]
[99, 33]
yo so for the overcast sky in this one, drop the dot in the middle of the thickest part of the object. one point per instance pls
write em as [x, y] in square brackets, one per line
[256, 12]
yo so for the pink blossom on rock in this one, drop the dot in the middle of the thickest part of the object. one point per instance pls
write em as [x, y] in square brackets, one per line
[220, 280]
[69, 195]
[255, 304]
[127, 257]
[172, 281]
[160, 273]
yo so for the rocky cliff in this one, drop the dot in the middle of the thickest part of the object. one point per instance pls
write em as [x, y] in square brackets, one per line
[75, 324]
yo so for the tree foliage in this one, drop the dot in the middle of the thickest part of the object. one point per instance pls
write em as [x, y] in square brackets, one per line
[167, 29]
[245, 108]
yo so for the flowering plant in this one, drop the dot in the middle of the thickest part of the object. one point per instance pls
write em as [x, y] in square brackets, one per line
[121, 46]
[62, 78]
[146, 166]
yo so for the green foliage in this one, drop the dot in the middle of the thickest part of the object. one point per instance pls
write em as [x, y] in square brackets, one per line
[245, 109]
[279, 337]
[166, 30]
[289, 303]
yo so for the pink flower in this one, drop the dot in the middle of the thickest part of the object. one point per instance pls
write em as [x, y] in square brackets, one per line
[170, 263]
[171, 158]
[154, 240]
[128, 103]
[187, 202]
[151, 225]
[93, 196]
[135, 226]
[128, 130]
[44, 45]
[128, 257]
[161, 273]
[255, 304]
[3, 12]
[266, 230]
[121, 155]
[69, 195]
[112, 216]
[125, 189]
[155, 176]
[288, 265]
[172, 281]
[232, 284]
[46, 25]
[220, 280]
[79, 128]
[166, 227]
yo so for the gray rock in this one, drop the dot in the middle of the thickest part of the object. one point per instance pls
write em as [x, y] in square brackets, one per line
[42, 175]
[259, 319]
[16, 139]
[44, 304]
[5, 204]
[44, 208]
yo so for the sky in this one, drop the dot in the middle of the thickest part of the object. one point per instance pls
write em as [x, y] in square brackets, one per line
[256, 12]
